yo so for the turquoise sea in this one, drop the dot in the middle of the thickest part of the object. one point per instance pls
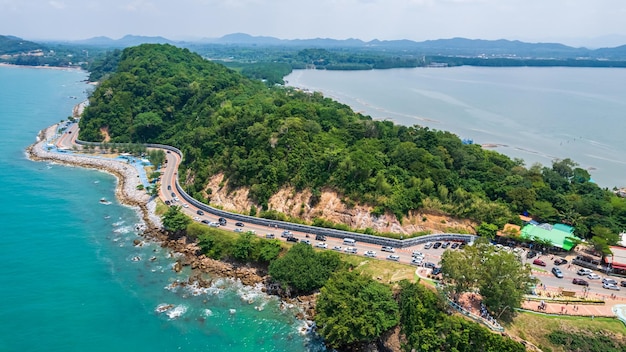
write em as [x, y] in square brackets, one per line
[68, 281]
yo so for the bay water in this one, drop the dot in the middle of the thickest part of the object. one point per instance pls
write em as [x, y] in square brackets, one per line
[538, 114]
[71, 279]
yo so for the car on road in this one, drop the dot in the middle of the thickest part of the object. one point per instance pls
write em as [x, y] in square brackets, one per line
[306, 242]
[393, 257]
[169, 188]
[610, 287]
[200, 212]
[185, 205]
[557, 272]
[214, 224]
[609, 281]
[222, 221]
[593, 276]
[388, 249]
[320, 238]
[240, 224]
[622, 283]
[436, 271]
[238, 230]
[416, 261]
[428, 245]
[337, 248]
[560, 261]
[429, 265]
[167, 202]
[584, 272]
[205, 221]
[371, 254]
[173, 194]
[321, 245]
[539, 262]
[286, 234]
[292, 239]
[270, 236]
[417, 254]
[436, 245]
[350, 250]
[577, 281]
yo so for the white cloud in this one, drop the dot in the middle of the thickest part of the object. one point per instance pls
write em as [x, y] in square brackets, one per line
[57, 4]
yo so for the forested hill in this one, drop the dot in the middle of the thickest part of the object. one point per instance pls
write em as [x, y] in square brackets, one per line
[267, 138]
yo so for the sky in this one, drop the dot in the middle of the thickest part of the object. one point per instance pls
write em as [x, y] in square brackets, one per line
[592, 23]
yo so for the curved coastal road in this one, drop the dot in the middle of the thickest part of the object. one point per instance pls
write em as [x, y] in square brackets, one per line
[168, 192]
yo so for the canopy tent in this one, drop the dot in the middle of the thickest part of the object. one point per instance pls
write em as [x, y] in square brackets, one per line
[561, 235]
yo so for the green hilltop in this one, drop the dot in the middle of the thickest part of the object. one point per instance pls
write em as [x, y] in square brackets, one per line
[269, 137]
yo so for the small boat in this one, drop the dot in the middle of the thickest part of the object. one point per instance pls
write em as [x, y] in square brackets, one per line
[104, 201]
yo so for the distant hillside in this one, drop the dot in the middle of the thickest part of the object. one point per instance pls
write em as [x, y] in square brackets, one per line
[126, 41]
[10, 45]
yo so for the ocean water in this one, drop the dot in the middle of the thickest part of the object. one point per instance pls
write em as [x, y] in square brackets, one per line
[68, 280]
[536, 114]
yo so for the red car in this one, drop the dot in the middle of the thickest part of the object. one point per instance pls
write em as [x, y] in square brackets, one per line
[539, 262]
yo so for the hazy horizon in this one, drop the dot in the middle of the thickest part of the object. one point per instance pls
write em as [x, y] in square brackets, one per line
[570, 22]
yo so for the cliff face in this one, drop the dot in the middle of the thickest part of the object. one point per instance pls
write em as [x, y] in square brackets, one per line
[330, 207]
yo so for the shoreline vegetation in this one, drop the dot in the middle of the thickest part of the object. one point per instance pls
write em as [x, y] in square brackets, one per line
[151, 228]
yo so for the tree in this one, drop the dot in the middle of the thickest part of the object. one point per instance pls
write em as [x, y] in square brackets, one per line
[500, 277]
[487, 230]
[352, 308]
[175, 221]
[304, 270]
[243, 246]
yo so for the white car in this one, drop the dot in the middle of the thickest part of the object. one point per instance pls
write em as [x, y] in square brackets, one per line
[610, 286]
[416, 261]
[393, 257]
[321, 245]
[350, 250]
[306, 242]
[593, 276]
[185, 205]
[371, 254]
[428, 245]
[417, 254]
[337, 248]
[195, 218]
[238, 230]
[388, 249]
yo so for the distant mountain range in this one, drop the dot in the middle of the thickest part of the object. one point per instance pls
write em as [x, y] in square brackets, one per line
[447, 47]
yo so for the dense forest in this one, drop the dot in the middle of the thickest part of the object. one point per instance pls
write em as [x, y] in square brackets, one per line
[270, 137]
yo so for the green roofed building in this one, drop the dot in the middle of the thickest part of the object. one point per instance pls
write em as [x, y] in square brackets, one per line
[560, 235]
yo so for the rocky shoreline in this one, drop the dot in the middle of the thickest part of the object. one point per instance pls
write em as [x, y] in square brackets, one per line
[151, 229]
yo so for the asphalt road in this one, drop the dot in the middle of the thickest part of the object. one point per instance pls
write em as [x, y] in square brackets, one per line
[544, 274]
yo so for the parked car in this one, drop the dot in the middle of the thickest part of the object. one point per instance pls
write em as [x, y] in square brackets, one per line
[337, 248]
[292, 239]
[240, 224]
[428, 245]
[610, 287]
[581, 282]
[321, 245]
[560, 261]
[593, 276]
[455, 245]
[445, 245]
[462, 245]
[429, 265]
[270, 236]
[436, 271]
[584, 272]
[371, 254]
[320, 238]
[436, 245]
[622, 283]
[393, 257]
[539, 262]
[557, 272]
[531, 254]
[387, 249]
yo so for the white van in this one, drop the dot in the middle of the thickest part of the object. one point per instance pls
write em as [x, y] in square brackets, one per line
[349, 241]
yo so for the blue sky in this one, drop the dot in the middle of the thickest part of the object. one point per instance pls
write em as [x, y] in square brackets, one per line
[573, 22]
